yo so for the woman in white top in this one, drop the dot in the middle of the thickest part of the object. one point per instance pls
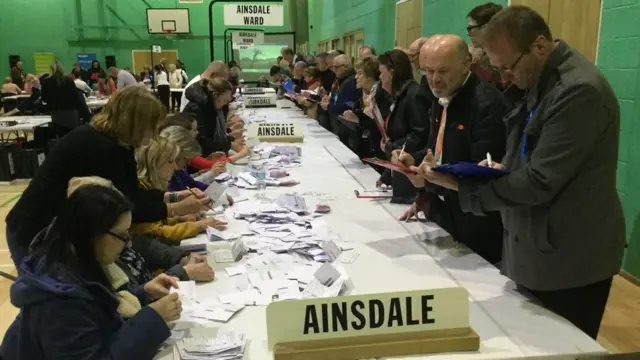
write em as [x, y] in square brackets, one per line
[162, 85]
[175, 80]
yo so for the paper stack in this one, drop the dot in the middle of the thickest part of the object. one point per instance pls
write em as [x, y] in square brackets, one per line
[228, 345]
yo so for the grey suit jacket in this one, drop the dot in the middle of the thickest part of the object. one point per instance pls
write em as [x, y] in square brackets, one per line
[562, 216]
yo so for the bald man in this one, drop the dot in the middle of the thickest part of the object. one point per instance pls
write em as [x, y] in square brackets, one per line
[470, 128]
[414, 51]
[216, 69]
[344, 96]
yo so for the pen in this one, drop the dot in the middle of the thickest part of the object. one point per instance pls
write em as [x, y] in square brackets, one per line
[489, 162]
[196, 196]
[402, 150]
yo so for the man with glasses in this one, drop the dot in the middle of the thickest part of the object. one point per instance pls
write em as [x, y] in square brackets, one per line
[564, 227]
[344, 96]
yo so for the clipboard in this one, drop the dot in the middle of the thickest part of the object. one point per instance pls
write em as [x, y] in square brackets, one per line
[373, 195]
[462, 169]
[348, 124]
[388, 165]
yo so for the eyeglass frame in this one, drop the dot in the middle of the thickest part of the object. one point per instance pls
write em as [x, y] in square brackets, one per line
[472, 27]
[511, 68]
[126, 240]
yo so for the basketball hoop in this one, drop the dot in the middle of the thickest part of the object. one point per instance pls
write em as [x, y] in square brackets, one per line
[168, 34]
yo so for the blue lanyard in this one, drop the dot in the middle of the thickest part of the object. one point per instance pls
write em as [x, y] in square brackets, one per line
[525, 138]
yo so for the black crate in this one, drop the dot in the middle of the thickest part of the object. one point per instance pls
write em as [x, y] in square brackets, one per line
[28, 160]
[7, 162]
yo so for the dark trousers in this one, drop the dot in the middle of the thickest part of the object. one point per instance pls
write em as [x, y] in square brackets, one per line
[164, 92]
[583, 306]
[482, 234]
[176, 97]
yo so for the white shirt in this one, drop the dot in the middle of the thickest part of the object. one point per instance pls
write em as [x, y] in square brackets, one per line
[161, 78]
[183, 100]
[125, 79]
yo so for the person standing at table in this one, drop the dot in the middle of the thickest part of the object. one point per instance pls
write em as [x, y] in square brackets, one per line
[175, 81]
[103, 148]
[466, 124]
[162, 85]
[17, 74]
[564, 226]
[123, 78]
[216, 69]
[94, 74]
[407, 125]
[67, 104]
[344, 96]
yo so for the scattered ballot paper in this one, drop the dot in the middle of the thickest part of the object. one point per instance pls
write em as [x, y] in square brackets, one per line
[220, 235]
[292, 202]
[187, 292]
[215, 192]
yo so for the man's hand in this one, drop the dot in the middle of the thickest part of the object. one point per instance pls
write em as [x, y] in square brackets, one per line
[402, 159]
[351, 116]
[494, 164]
[414, 210]
[199, 271]
[425, 171]
[324, 105]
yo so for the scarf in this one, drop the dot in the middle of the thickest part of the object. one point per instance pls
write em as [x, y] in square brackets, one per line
[129, 304]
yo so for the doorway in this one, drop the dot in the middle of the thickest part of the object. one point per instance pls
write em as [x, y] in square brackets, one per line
[408, 22]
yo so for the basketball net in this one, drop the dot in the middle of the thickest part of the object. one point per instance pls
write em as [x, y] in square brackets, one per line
[168, 34]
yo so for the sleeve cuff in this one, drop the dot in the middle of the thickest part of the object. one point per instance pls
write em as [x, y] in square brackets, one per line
[469, 198]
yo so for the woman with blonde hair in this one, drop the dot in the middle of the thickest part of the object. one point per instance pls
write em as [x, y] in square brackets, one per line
[67, 104]
[156, 164]
[208, 98]
[103, 148]
[175, 81]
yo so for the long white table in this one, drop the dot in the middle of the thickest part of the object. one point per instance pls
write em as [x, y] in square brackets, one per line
[24, 123]
[398, 256]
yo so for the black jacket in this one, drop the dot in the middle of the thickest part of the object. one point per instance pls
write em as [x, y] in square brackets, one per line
[408, 126]
[64, 95]
[327, 78]
[368, 133]
[201, 107]
[83, 152]
[474, 128]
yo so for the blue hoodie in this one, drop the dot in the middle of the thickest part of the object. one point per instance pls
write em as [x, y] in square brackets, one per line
[75, 320]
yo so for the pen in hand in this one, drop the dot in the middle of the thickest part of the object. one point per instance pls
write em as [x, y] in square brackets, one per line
[489, 162]
[194, 194]
[402, 150]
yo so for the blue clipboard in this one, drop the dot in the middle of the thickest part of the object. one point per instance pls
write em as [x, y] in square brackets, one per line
[463, 169]
[288, 86]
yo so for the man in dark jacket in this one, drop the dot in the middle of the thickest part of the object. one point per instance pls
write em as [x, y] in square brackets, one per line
[564, 227]
[327, 76]
[466, 124]
[344, 96]
[17, 75]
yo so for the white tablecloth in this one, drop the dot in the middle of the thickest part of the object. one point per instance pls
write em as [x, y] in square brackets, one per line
[397, 256]
[16, 97]
[25, 123]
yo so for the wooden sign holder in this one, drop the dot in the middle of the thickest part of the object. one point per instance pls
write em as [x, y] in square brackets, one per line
[384, 345]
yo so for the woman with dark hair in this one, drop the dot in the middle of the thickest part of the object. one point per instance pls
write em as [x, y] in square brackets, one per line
[67, 104]
[69, 309]
[407, 126]
[94, 74]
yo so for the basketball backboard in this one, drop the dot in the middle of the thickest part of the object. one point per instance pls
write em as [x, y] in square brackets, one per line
[159, 21]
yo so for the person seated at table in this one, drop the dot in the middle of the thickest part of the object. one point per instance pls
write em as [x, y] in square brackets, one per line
[205, 167]
[9, 88]
[309, 99]
[189, 148]
[156, 164]
[298, 76]
[82, 86]
[407, 125]
[31, 81]
[68, 307]
[145, 255]
[373, 108]
[31, 105]
[77, 72]
[67, 105]
[106, 85]
[208, 98]
[104, 148]
[263, 82]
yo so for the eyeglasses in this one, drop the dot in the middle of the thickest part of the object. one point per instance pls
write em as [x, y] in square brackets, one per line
[125, 239]
[471, 27]
[336, 67]
[510, 69]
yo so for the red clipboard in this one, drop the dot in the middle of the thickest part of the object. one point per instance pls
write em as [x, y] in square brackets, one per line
[388, 165]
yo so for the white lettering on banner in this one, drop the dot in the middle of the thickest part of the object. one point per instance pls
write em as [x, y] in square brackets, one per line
[253, 15]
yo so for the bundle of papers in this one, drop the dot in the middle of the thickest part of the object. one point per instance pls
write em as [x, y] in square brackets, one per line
[228, 345]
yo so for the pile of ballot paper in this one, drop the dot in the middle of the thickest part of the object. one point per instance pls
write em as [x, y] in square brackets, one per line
[274, 277]
[227, 345]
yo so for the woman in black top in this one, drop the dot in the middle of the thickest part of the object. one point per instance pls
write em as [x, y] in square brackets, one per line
[66, 103]
[103, 148]
[94, 74]
[207, 99]
[408, 124]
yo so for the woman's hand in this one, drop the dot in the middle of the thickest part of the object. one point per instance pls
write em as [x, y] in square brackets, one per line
[169, 307]
[200, 271]
[190, 217]
[160, 285]
[216, 155]
[350, 115]
[219, 168]
[194, 191]
[213, 222]
[190, 205]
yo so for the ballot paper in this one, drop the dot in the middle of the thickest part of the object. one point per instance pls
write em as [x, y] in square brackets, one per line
[219, 312]
[348, 257]
[221, 235]
[327, 274]
[228, 345]
[293, 202]
[187, 292]
[223, 177]
[291, 151]
[248, 178]
[331, 249]
[215, 192]
[235, 194]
